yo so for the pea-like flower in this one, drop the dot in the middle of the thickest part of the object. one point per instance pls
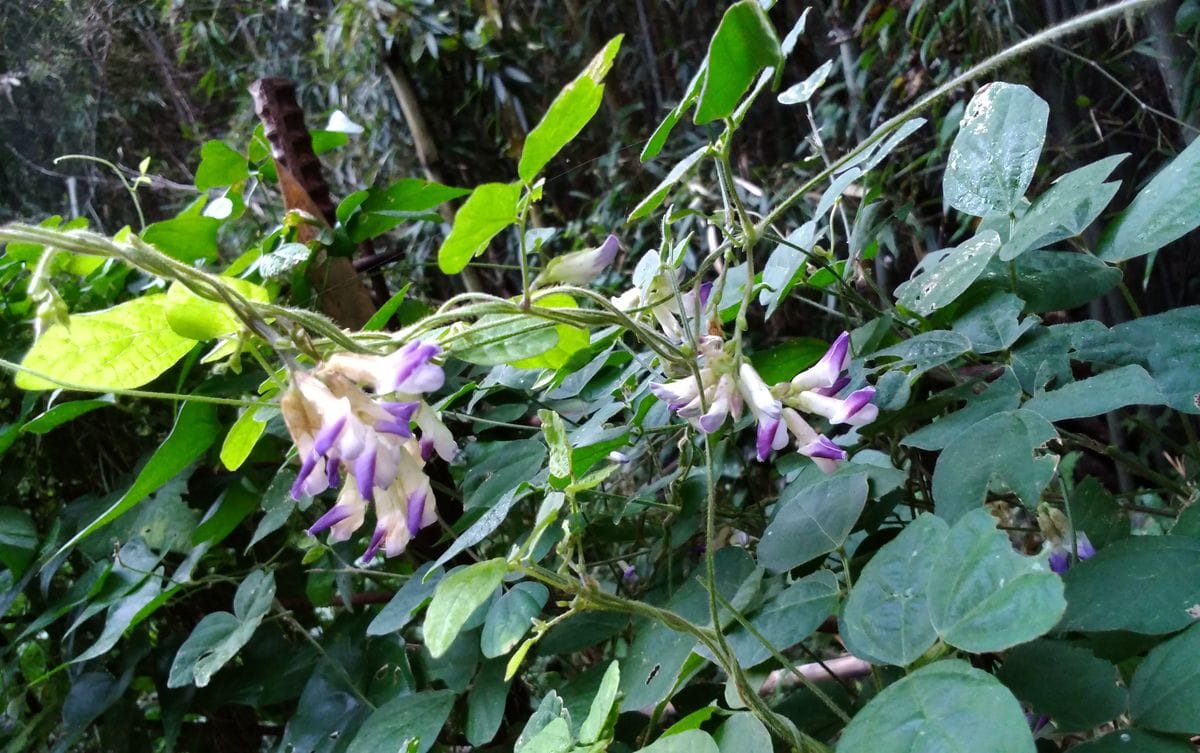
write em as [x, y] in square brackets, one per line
[1060, 552]
[581, 267]
[342, 430]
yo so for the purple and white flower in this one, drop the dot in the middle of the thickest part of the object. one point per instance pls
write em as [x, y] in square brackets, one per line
[771, 433]
[581, 267]
[1060, 552]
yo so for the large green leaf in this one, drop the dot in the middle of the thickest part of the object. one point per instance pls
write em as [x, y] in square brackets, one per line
[944, 278]
[994, 323]
[1077, 689]
[65, 413]
[787, 619]
[1127, 385]
[122, 347]
[944, 707]
[688, 741]
[571, 339]
[600, 711]
[1144, 584]
[507, 338]
[812, 520]
[220, 165]
[983, 596]
[996, 151]
[242, 436]
[187, 238]
[456, 597]
[18, 539]
[1052, 280]
[1002, 394]
[489, 209]
[1169, 346]
[659, 138]
[404, 720]
[999, 453]
[403, 201]
[744, 44]
[485, 703]
[568, 113]
[220, 635]
[1165, 693]
[201, 319]
[742, 732]
[886, 618]
[415, 592]
[510, 618]
[195, 430]
[1164, 211]
[1065, 211]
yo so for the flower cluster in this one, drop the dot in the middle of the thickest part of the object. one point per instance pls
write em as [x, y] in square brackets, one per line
[721, 388]
[1062, 540]
[341, 430]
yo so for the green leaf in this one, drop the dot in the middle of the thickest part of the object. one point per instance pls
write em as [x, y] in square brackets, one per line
[886, 617]
[242, 436]
[1072, 203]
[744, 44]
[187, 238]
[555, 433]
[415, 717]
[489, 209]
[1164, 211]
[692, 721]
[787, 619]
[1118, 388]
[511, 617]
[1168, 344]
[985, 597]
[63, 413]
[220, 635]
[1067, 682]
[485, 704]
[195, 430]
[571, 339]
[407, 602]
[600, 714]
[1002, 394]
[568, 113]
[942, 279]
[997, 453]
[555, 737]
[812, 521]
[220, 165]
[456, 597]
[996, 151]
[743, 733]
[129, 611]
[783, 265]
[18, 540]
[496, 469]
[506, 339]
[1111, 591]
[656, 197]
[992, 323]
[690, 741]
[201, 319]
[403, 201]
[1133, 741]
[946, 706]
[1052, 280]
[1165, 692]
[659, 138]
[122, 347]
[798, 94]
[385, 312]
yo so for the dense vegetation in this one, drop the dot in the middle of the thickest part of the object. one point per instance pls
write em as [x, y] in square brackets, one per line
[663, 376]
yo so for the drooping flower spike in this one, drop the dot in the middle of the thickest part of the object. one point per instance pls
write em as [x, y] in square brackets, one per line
[366, 443]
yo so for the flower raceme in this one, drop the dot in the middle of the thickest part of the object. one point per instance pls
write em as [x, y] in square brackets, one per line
[341, 430]
[718, 390]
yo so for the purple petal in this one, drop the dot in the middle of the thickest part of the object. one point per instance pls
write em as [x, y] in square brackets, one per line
[608, 250]
[765, 440]
[711, 421]
[306, 468]
[857, 401]
[834, 388]
[333, 472]
[400, 429]
[1060, 561]
[328, 435]
[416, 511]
[400, 411]
[364, 473]
[376, 541]
[823, 447]
[335, 515]
[1083, 546]
[427, 448]
[705, 290]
